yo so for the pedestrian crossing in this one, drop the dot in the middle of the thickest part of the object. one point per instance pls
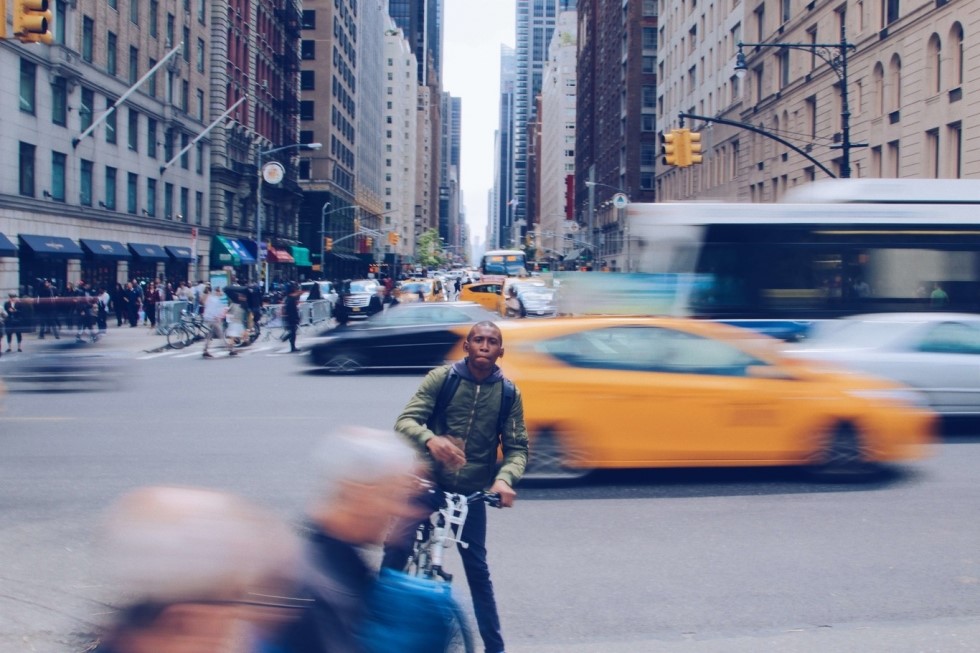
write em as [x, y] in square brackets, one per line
[195, 351]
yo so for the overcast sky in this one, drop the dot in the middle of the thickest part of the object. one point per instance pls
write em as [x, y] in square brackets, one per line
[472, 36]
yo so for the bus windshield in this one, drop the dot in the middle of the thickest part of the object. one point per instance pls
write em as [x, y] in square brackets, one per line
[504, 262]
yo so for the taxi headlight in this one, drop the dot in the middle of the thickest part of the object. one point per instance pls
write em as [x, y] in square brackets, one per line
[894, 395]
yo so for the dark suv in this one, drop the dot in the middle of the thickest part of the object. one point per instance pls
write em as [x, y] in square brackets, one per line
[358, 298]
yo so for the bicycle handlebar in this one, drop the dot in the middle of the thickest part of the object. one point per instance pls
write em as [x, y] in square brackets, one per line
[492, 499]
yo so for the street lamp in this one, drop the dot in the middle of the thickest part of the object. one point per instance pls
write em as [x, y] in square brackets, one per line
[620, 201]
[834, 55]
[273, 175]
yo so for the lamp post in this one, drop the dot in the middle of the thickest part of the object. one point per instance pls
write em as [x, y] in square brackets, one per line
[834, 55]
[620, 201]
[274, 176]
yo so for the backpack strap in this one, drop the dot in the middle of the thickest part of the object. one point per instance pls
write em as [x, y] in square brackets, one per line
[448, 391]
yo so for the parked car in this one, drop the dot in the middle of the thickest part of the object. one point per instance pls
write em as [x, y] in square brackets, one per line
[539, 301]
[485, 293]
[431, 290]
[618, 392]
[405, 336]
[936, 353]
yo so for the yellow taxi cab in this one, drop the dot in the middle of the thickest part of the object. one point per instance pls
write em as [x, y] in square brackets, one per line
[627, 392]
[416, 290]
[487, 292]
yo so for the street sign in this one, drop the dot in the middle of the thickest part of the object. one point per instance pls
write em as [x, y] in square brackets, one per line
[620, 200]
[273, 172]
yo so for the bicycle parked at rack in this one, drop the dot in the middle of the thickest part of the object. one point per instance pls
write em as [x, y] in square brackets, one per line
[188, 329]
[436, 534]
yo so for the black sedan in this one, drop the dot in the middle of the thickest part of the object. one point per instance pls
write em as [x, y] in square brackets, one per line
[406, 336]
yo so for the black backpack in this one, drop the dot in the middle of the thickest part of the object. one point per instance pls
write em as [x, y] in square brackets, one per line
[448, 391]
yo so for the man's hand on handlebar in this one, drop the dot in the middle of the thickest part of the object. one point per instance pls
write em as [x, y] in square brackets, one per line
[507, 494]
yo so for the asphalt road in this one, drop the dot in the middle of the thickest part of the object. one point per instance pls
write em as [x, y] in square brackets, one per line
[674, 561]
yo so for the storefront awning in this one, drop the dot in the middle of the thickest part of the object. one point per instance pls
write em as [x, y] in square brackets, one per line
[148, 253]
[228, 251]
[274, 255]
[343, 257]
[54, 246]
[182, 254]
[7, 248]
[106, 249]
[302, 256]
[575, 255]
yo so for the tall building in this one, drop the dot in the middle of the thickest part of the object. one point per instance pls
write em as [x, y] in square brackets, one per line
[87, 193]
[617, 143]
[553, 233]
[535, 24]
[370, 146]
[502, 200]
[421, 22]
[401, 145]
[449, 170]
[253, 67]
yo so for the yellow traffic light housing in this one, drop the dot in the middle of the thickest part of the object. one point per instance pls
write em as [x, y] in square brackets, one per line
[369, 241]
[32, 21]
[328, 243]
[669, 147]
[694, 148]
[357, 225]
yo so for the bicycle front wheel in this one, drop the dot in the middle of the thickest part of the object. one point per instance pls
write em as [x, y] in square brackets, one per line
[177, 336]
[460, 638]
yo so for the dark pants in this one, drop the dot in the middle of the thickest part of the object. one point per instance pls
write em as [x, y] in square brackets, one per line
[398, 548]
[291, 336]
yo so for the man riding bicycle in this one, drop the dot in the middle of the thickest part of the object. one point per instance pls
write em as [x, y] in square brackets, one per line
[460, 440]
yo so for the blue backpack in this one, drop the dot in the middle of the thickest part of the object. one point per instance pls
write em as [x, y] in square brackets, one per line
[408, 614]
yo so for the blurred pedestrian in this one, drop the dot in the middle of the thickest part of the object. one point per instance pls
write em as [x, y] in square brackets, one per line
[119, 303]
[47, 310]
[196, 571]
[214, 319]
[151, 297]
[364, 479]
[235, 321]
[938, 297]
[14, 322]
[462, 443]
[514, 305]
[131, 298]
[102, 309]
[290, 316]
[85, 315]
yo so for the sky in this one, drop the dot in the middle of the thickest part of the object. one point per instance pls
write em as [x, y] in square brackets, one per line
[473, 33]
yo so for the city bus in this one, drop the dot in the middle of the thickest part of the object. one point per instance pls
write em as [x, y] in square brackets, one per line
[504, 262]
[830, 250]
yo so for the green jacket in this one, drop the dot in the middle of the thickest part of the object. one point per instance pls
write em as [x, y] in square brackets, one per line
[472, 416]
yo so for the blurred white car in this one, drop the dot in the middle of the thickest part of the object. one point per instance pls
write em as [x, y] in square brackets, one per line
[327, 291]
[937, 353]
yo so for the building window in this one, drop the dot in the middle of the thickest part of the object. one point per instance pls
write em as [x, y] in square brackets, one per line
[199, 167]
[185, 91]
[307, 80]
[895, 84]
[783, 68]
[198, 207]
[132, 192]
[309, 19]
[934, 64]
[26, 170]
[168, 145]
[28, 76]
[200, 55]
[59, 101]
[956, 49]
[133, 132]
[154, 22]
[893, 159]
[171, 26]
[889, 10]
[184, 158]
[88, 38]
[168, 201]
[111, 63]
[134, 12]
[954, 139]
[58, 162]
[201, 16]
[306, 108]
[305, 169]
[110, 122]
[200, 105]
[87, 108]
[308, 49]
[134, 64]
[151, 197]
[183, 205]
[186, 50]
[110, 188]
[932, 154]
[85, 183]
[306, 136]
[229, 209]
[151, 138]
[152, 82]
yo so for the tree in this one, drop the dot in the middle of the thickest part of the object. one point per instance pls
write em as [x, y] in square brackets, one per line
[428, 250]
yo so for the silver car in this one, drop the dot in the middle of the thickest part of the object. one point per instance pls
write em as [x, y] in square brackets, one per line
[936, 353]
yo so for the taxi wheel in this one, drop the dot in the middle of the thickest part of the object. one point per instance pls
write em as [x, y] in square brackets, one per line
[843, 457]
[548, 460]
[345, 363]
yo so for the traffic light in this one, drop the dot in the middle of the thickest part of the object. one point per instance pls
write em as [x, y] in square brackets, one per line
[32, 21]
[669, 148]
[369, 241]
[392, 238]
[357, 225]
[328, 243]
[694, 148]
